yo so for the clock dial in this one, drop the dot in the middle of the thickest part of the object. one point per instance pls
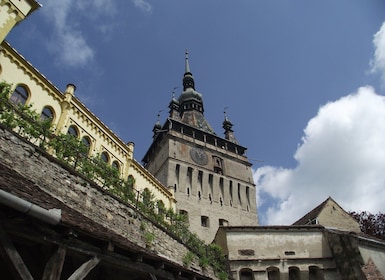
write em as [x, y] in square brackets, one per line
[199, 156]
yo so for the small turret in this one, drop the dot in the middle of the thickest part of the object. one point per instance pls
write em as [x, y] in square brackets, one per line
[157, 127]
[174, 107]
[227, 126]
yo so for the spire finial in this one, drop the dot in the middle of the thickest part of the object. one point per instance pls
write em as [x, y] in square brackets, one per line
[187, 66]
[225, 112]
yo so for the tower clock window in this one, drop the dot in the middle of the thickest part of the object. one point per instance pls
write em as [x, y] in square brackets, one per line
[218, 165]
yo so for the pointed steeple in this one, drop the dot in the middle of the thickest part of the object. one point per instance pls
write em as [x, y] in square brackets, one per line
[157, 126]
[188, 79]
[188, 108]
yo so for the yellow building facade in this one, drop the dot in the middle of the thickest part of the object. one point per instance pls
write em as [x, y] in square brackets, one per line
[70, 115]
[12, 12]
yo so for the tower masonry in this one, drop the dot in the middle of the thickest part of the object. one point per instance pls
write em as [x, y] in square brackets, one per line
[211, 176]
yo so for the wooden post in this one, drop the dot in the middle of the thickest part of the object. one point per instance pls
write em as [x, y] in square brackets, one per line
[9, 251]
[84, 269]
[54, 266]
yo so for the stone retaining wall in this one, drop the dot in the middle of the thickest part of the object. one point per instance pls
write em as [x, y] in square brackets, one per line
[81, 195]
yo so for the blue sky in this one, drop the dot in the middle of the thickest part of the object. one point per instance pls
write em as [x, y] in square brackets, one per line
[303, 82]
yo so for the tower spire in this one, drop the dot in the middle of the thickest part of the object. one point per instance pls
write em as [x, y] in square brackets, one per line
[188, 79]
[187, 65]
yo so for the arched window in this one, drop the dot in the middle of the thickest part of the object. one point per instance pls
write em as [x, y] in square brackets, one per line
[131, 181]
[246, 274]
[239, 194]
[248, 197]
[115, 164]
[294, 273]
[47, 113]
[273, 273]
[315, 273]
[72, 130]
[87, 143]
[104, 156]
[20, 95]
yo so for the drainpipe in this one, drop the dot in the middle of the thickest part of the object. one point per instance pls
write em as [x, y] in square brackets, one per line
[51, 216]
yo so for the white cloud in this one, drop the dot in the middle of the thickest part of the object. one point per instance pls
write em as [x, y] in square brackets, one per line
[68, 43]
[342, 155]
[378, 61]
[143, 5]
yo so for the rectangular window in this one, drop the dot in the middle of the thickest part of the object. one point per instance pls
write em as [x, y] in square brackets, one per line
[223, 222]
[205, 221]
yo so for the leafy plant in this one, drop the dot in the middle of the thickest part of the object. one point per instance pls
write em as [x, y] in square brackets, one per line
[188, 258]
[149, 238]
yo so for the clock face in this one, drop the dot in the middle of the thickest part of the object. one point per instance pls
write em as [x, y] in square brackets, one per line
[199, 156]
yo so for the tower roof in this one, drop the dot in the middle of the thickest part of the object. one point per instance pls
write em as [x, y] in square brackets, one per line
[190, 102]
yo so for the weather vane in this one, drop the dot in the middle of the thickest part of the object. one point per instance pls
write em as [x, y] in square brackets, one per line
[225, 111]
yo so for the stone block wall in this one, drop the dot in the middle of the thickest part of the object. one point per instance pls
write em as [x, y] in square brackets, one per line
[48, 175]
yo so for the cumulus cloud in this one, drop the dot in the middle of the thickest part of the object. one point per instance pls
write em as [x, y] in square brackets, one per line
[342, 155]
[68, 43]
[143, 5]
[378, 61]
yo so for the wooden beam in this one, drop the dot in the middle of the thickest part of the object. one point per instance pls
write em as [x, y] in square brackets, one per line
[54, 266]
[84, 269]
[9, 251]
[132, 262]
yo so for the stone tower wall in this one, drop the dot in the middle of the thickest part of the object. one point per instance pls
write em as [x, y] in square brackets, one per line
[209, 198]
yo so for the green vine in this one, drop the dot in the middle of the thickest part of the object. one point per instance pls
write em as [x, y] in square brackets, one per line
[149, 238]
[73, 152]
[188, 258]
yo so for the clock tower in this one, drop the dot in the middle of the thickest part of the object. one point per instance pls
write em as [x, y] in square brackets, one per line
[210, 176]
